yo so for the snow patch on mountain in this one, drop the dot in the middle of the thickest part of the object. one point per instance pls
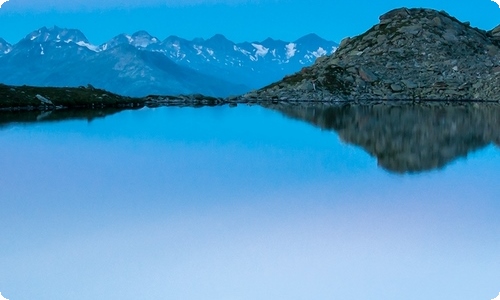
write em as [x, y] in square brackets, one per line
[245, 52]
[177, 51]
[88, 46]
[319, 52]
[41, 50]
[290, 50]
[199, 49]
[143, 42]
[260, 50]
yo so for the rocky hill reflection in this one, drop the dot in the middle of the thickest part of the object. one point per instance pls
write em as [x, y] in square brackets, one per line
[409, 138]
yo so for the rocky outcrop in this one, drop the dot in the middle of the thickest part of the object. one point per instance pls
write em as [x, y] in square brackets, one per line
[410, 54]
[406, 138]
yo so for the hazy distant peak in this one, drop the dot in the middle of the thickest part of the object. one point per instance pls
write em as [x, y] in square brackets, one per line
[310, 38]
[142, 33]
[269, 40]
[272, 43]
[218, 36]
[218, 39]
[198, 40]
[174, 38]
[245, 44]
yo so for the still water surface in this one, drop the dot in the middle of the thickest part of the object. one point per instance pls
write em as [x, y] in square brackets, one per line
[252, 203]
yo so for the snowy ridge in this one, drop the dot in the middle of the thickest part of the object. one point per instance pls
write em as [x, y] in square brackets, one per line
[248, 64]
[219, 49]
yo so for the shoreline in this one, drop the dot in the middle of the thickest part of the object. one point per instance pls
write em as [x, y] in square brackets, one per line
[181, 102]
[43, 99]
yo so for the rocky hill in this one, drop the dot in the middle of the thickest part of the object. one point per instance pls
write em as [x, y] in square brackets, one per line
[410, 54]
[407, 138]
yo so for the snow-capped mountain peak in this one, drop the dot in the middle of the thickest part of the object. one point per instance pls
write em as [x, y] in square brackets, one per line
[56, 34]
[142, 39]
[60, 35]
[117, 40]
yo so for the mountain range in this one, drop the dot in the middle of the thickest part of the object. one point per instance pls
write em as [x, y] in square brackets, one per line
[141, 64]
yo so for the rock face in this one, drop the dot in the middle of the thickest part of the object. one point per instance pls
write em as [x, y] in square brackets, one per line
[406, 138]
[411, 54]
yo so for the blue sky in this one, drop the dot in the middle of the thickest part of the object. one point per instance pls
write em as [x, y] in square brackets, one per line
[239, 20]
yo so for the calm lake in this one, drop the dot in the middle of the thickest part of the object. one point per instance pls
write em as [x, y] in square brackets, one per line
[247, 203]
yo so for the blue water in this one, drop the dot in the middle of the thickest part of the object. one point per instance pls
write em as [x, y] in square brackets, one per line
[236, 203]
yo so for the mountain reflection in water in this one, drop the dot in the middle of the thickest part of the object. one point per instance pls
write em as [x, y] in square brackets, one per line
[405, 138]
[410, 137]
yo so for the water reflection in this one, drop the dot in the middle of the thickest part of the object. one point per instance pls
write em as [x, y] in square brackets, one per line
[407, 138]
[404, 138]
[9, 117]
[222, 203]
